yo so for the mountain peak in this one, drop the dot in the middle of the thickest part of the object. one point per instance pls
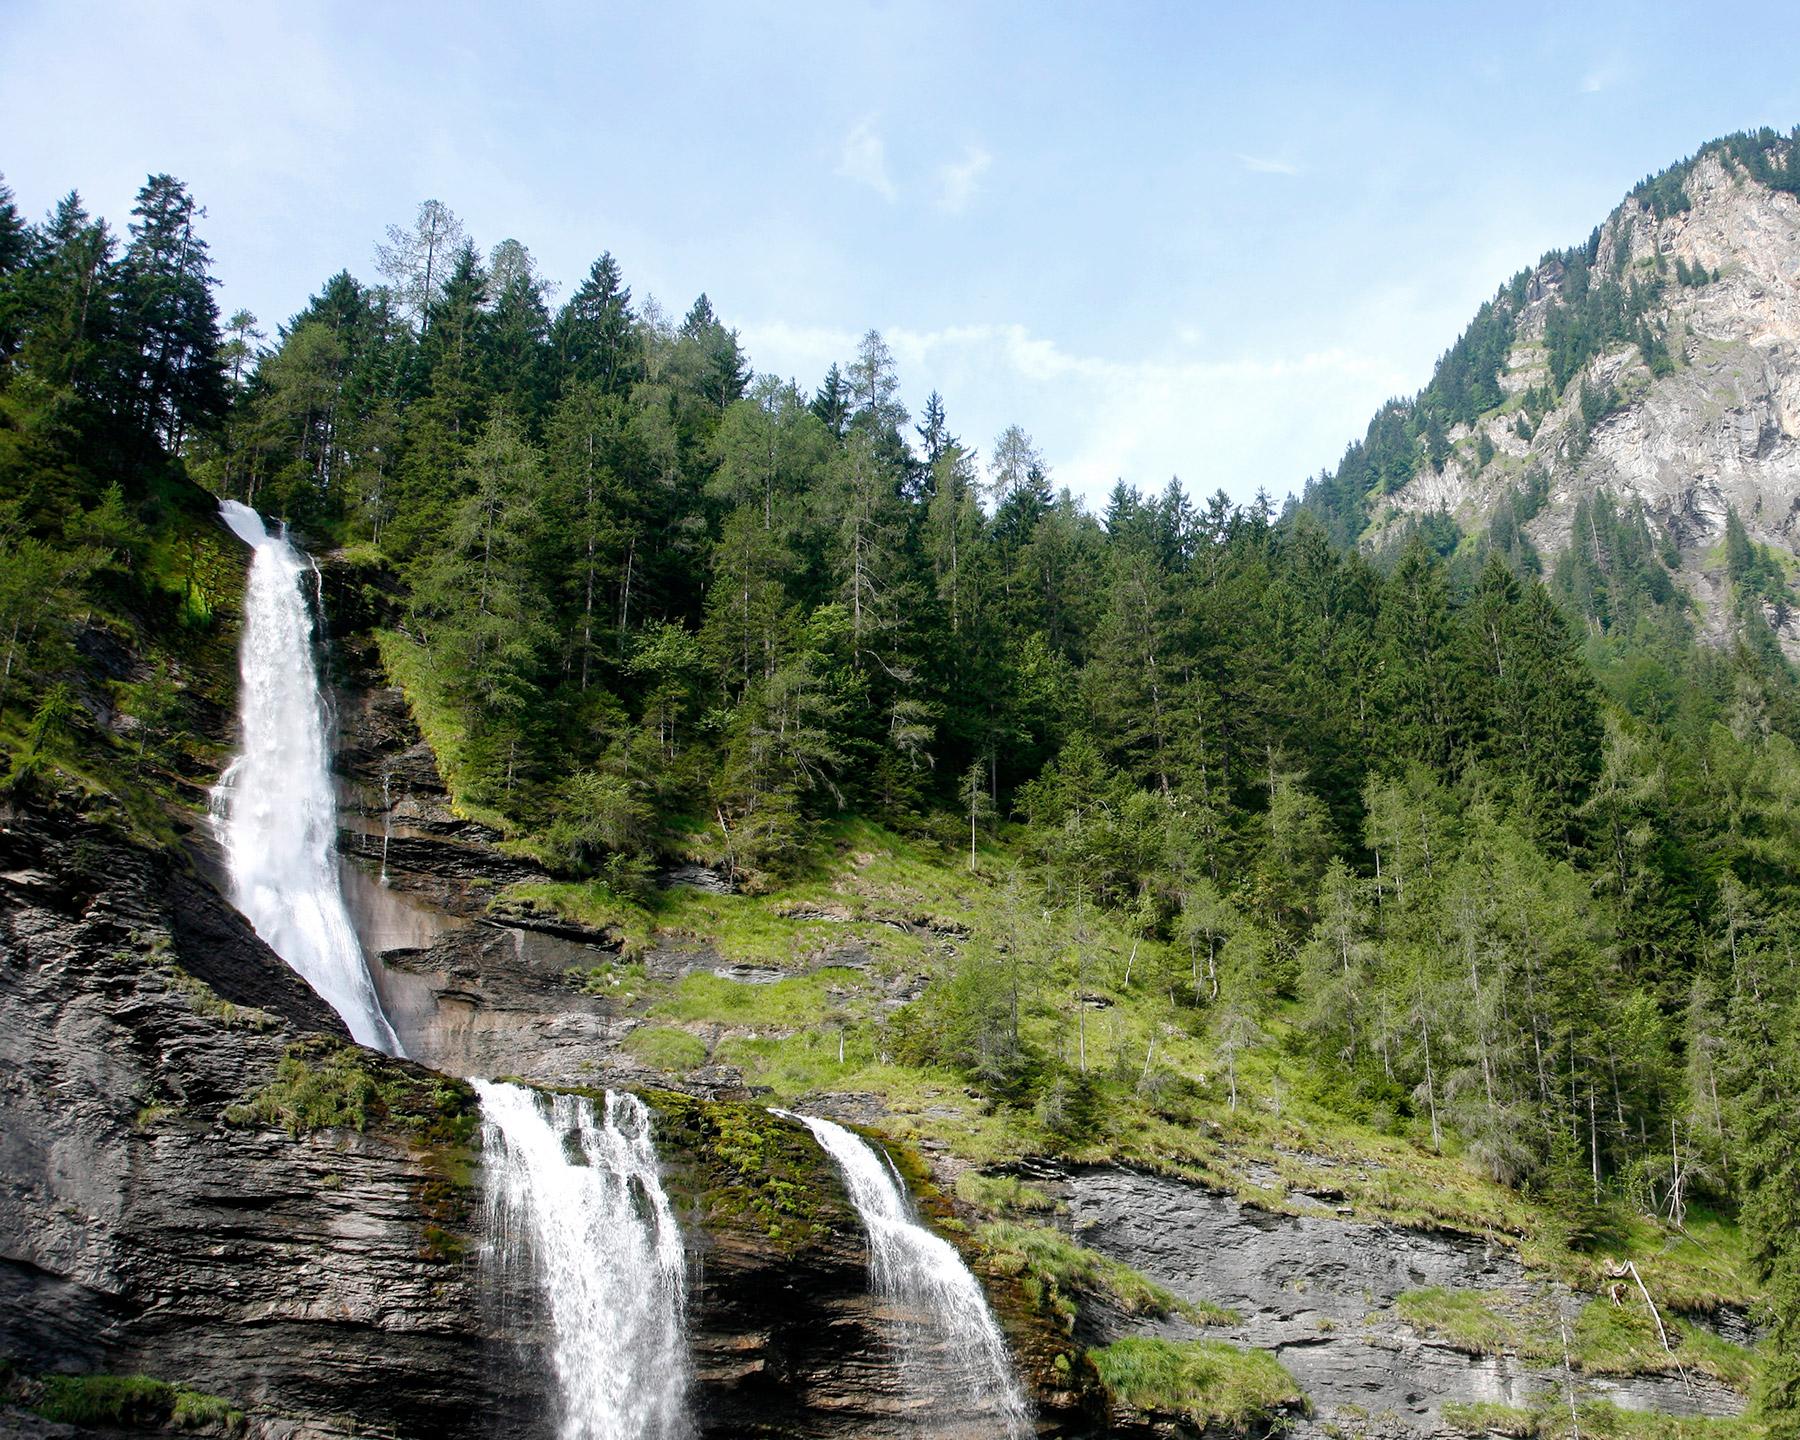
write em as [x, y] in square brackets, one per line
[1652, 373]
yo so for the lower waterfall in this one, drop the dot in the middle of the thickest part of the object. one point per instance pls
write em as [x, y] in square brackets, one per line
[951, 1351]
[575, 1202]
[274, 809]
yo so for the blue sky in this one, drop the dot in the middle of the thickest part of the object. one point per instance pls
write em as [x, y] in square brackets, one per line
[1188, 239]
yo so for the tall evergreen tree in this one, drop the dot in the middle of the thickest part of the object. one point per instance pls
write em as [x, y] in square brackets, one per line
[170, 319]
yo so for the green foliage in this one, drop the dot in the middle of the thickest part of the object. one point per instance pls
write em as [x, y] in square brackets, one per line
[319, 1084]
[1058, 1274]
[1003, 1194]
[666, 1048]
[133, 1402]
[1553, 1421]
[1209, 1383]
[125, 1400]
[1466, 1319]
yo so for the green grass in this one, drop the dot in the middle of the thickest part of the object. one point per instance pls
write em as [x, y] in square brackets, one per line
[665, 1048]
[1464, 1319]
[1003, 1194]
[1214, 1386]
[807, 1000]
[1595, 1419]
[1621, 1339]
[194, 1411]
[1056, 1274]
[1485, 1417]
[320, 1084]
[1606, 1338]
[133, 1402]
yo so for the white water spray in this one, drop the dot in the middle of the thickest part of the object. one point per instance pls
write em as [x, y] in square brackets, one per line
[574, 1196]
[273, 810]
[951, 1351]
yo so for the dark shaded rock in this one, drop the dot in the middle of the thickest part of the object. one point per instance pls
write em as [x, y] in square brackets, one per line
[318, 1282]
[696, 877]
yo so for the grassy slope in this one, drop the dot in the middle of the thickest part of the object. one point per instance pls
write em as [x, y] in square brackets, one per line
[176, 609]
[786, 1036]
[873, 917]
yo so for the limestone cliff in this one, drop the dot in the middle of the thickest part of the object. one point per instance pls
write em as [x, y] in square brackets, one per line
[1706, 422]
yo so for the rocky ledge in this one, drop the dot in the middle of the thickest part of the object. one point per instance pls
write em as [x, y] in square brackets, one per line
[1323, 1293]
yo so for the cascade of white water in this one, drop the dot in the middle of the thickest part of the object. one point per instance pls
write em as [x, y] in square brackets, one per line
[951, 1351]
[574, 1197]
[274, 810]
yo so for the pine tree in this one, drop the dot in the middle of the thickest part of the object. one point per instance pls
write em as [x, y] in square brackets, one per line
[595, 336]
[832, 403]
[170, 319]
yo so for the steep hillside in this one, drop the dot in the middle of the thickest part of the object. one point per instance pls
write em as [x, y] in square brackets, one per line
[1656, 368]
[1309, 993]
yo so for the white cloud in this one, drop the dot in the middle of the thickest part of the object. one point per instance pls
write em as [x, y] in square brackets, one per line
[1265, 165]
[1237, 421]
[958, 181]
[863, 159]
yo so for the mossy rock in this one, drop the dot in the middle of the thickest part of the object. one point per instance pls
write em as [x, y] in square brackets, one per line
[322, 1084]
[128, 1402]
[740, 1167]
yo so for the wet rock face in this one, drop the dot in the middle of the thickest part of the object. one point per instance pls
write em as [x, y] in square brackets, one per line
[1320, 1292]
[142, 1233]
[325, 1284]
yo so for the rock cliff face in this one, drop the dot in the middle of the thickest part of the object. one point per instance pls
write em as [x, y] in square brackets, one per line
[1320, 1291]
[141, 1231]
[1720, 430]
[332, 1282]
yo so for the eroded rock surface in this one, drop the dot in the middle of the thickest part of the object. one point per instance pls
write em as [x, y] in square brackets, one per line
[1319, 1291]
[1722, 431]
[141, 1232]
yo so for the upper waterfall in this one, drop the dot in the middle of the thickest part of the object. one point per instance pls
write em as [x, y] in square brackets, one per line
[274, 809]
[951, 1351]
[574, 1196]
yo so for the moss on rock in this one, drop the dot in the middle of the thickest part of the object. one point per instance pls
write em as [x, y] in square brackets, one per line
[743, 1166]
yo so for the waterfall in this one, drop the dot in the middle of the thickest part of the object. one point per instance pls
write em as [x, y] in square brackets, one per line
[574, 1198]
[274, 810]
[951, 1351]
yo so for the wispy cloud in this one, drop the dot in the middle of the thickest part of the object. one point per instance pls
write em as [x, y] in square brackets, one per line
[1601, 77]
[863, 159]
[957, 182]
[1265, 165]
[1208, 418]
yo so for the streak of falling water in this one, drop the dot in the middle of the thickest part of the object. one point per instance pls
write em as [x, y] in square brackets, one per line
[951, 1351]
[575, 1200]
[274, 810]
[387, 820]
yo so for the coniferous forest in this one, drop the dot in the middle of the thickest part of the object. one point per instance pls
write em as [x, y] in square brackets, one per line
[1492, 857]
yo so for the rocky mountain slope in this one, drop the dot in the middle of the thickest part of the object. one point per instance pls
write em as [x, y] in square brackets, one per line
[202, 1182]
[1683, 313]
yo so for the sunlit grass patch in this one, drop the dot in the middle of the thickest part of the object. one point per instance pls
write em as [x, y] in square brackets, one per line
[1057, 1271]
[813, 999]
[1464, 1319]
[1208, 1382]
[666, 1048]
